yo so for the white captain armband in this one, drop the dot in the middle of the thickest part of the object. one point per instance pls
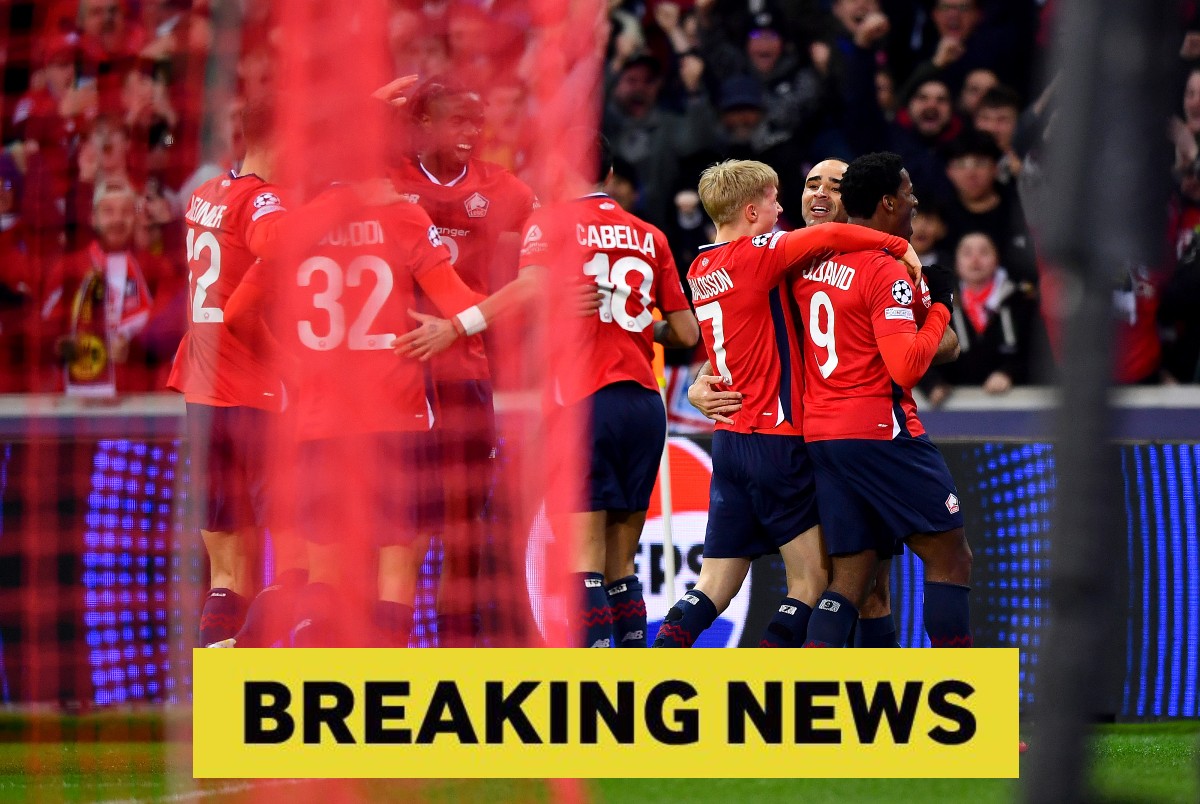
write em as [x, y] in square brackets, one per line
[472, 320]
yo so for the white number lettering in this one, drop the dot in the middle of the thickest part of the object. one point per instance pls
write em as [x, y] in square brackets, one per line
[712, 312]
[360, 339]
[615, 289]
[207, 241]
[822, 338]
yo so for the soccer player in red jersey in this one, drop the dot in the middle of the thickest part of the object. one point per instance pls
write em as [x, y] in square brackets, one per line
[230, 390]
[604, 379]
[762, 497]
[362, 418]
[480, 210]
[879, 478]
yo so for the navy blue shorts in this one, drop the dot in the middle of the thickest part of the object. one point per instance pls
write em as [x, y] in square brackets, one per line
[230, 456]
[629, 429]
[464, 432]
[873, 494]
[371, 488]
[762, 494]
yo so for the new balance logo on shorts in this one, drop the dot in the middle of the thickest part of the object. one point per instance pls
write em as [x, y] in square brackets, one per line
[592, 583]
[830, 605]
[617, 590]
[634, 635]
[790, 610]
[952, 504]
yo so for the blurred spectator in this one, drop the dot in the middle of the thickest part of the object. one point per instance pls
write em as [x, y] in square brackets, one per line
[1179, 310]
[981, 204]
[885, 94]
[996, 323]
[922, 130]
[997, 114]
[929, 234]
[690, 229]
[651, 139]
[137, 284]
[103, 157]
[965, 39]
[18, 285]
[856, 51]
[108, 38]
[622, 185]
[976, 84]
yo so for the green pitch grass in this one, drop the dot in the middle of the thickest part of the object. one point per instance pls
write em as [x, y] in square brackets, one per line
[1154, 762]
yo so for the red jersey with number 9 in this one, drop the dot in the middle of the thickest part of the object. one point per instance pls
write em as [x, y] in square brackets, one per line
[847, 304]
[212, 367]
[747, 317]
[592, 240]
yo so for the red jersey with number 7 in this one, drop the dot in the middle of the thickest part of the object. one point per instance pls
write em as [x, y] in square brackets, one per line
[847, 304]
[747, 319]
[591, 239]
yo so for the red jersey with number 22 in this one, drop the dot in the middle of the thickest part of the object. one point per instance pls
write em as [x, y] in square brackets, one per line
[746, 319]
[847, 304]
[593, 239]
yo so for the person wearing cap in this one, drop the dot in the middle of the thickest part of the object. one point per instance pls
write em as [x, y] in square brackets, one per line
[17, 282]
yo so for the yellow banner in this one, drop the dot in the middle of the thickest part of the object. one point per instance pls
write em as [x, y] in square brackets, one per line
[605, 713]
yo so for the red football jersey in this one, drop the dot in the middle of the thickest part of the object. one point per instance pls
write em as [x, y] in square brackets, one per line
[344, 305]
[212, 367]
[472, 214]
[593, 239]
[847, 304]
[746, 316]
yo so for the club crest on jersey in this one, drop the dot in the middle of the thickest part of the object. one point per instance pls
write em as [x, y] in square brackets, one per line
[952, 504]
[435, 239]
[902, 292]
[477, 206]
[761, 240]
[266, 200]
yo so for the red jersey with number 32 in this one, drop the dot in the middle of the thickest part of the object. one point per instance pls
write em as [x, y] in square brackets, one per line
[847, 304]
[591, 239]
[472, 214]
[344, 305]
[212, 367]
[747, 318]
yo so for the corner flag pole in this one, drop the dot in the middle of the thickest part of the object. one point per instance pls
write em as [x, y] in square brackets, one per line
[664, 483]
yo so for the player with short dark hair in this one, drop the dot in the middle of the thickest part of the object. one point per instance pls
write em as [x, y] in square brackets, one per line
[762, 497]
[879, 478]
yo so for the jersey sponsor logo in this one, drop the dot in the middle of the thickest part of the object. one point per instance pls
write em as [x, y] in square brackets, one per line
[709, 285]
[830, 273]
[205, 213]
[952, 504]
[902, 292]
[829, 605]
[477, 205]
[898, 313]
[606, 236]
[533, 235]
[435, 239]
[761, 240]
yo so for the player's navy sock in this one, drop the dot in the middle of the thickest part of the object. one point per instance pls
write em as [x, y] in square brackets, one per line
[876, 632]
[595, 617]
[628, 612]
[315, 607]
[272, 612]
[686, 620]
[948, 615]
[788, 626]
[831, 622]
[393, 623]
[221, 616]
[458, 630]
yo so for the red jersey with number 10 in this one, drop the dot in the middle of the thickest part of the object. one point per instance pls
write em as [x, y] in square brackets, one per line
[591, 239]
[747, 319]
[848, 304]
[212, 367]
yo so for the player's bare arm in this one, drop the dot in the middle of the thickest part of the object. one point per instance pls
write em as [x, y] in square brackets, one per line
[714, 404]
[948, 349]
[679, 330]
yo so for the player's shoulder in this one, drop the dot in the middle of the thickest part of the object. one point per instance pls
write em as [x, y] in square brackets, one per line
[405, 215]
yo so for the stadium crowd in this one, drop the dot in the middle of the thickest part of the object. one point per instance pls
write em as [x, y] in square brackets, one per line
[103, 114]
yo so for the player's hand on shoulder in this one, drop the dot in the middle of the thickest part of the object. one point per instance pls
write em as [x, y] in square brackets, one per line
[432, 336]
[377, 192]
[714, 404]
[942, 283]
